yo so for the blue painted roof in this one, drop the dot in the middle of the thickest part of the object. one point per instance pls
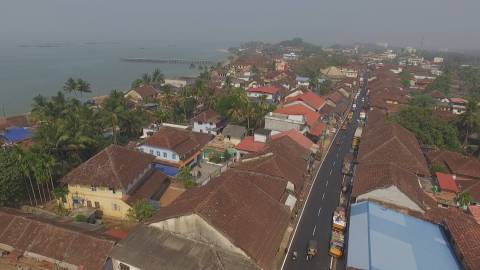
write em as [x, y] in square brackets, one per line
[16, 134]
[168, 170]
[381, 238]
[302, 79]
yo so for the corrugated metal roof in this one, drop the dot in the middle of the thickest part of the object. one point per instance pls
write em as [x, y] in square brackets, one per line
[381, 238]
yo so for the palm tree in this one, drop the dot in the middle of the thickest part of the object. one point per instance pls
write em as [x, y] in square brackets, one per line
[24, 168]
[157, 76]
[161, 115]
[464, 199]
[24, 160]
[70, 86]
[83, 87]
[146, 78]
[470, 119]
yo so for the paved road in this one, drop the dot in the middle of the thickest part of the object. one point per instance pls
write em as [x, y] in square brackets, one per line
[316, 220]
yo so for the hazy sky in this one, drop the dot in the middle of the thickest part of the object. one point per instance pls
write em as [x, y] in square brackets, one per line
[442, 23]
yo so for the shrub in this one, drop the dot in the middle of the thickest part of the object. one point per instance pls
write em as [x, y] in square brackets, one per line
[141, 210]
[80, 218]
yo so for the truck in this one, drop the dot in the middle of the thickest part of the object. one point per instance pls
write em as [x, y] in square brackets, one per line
[339, 221]
[363, 115]
[356, 137]
[336, 244]
[347, 164]
[337, 240]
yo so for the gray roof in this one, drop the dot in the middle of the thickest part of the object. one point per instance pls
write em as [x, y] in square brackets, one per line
[380, 238]
[148, 248]
[234, 131]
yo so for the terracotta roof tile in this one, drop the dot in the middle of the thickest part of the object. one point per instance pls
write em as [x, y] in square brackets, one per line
[248, 144]
[310, 98]
[147, 91]
[115, 166]
[264, 89]
[183, 142]
[207, 116]
[447, 182]
[299, 109]
[298, 137]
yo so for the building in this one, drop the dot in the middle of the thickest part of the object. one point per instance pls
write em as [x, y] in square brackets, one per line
[281, 65]
[143, 93]
[234, 133]
[380, 238]
[309, 99]
[271, 93]
[302, 81]
[15, 135]
[459, 105]
[31, 242]
[208, 122]
[114, 179]
[176, 147]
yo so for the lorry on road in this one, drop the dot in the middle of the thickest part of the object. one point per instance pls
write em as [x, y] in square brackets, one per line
[363, 115]
[347, 164]
[337, 240]
[356, 137]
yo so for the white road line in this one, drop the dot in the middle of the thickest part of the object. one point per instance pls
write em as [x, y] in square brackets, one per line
[323, 196]
[319, 210]
[331, 171]
[331, 262]
[326, 183]
[306, 200]
[314, 228]
[334, 163]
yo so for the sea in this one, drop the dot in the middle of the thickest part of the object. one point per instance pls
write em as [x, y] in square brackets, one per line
[41, 68]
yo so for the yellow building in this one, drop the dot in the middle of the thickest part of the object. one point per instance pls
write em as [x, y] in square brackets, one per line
[113, 180]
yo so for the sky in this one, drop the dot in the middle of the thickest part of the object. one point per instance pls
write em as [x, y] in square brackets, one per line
[452, 24]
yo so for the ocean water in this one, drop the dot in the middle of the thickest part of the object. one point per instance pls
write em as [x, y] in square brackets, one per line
[30, 69]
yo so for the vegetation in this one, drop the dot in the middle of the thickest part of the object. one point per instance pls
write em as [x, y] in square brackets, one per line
[442, 83]
[13, 187]
[405, 78]
[185, 176]
[80, 218]
[469, 121]
[156, 77]
[439, 168]
[429, 129]
[464, 199]
[141, 210]
[76, 86]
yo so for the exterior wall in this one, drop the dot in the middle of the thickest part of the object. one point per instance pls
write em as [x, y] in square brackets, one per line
[196, 228]
[235, 141]
[281, 124]
[391, 195]
[209, 128]
[268, 96]
[111, 204]
[116, 265]
[160, 153]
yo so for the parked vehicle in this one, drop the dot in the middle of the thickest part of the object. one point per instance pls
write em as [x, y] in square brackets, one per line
[363, 115]
[311, 249]
[347, 164]
[339, 221]
[356, 137]
[336, 244]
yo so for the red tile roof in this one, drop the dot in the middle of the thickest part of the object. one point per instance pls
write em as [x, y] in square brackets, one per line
[55, 241]
[317, 129]
[458, 100]
[446, 182]
[298, 137]
[474, 210]
[392, 143]
[115, 166]
[264, 89]
[13, 121]
[298, 109]
[240, 208]
[310, 98]
[248, 144]
[183, 142]
[207, 116]
[146, 91]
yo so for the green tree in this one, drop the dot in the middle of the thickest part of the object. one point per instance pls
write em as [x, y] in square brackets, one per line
[464, 199]
[136, 83]
[70, 86]
[439, 168]
[12, 182]
[442, 83]
[405, 78]
[185, 176]
[469, 121]
[141, 210]
[83, 87]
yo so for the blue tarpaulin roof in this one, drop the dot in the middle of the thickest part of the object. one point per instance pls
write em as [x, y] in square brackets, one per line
[381, 238]
[16, 134]
[168, 170]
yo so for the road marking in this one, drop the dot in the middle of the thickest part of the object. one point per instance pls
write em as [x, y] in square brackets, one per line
[334, 162]
[306, 200]
[331, 262]
[331, 171]
[319, 210]
[326, 183]
[323, 196]
[314, 228]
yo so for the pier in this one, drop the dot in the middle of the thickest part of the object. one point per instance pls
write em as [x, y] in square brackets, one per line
[170, 61]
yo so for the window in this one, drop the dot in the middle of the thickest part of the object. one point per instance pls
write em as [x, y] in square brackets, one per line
[151, 151]
[124, 267]
[93, 188]
[159, 153]
[164, 154]
[97, 205]
[174, 156]
[89, 204]
[115, 207]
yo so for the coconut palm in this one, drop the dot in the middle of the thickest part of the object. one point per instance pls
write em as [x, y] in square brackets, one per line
[469, 121]
[83, 87]
[24, 167]
[157, 76]
[70, 86]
